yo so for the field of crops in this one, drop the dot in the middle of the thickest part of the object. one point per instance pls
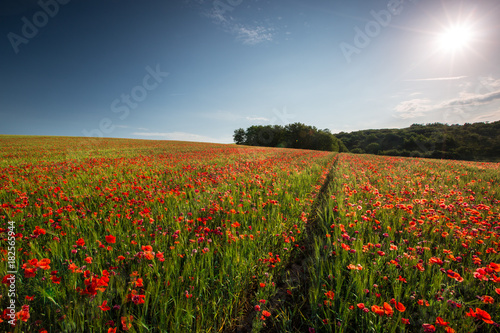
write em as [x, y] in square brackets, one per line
[115, 235]
[143, 235]
[405, 245]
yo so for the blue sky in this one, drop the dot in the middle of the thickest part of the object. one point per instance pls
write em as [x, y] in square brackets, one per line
[197, 70]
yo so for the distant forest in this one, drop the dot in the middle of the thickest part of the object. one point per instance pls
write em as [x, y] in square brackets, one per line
[474, 142]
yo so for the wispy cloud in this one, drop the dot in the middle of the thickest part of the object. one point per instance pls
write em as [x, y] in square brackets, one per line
[487, 117]
[490, 83]
[217, 16]
[473, 100]
[127, 126]
[263, 119]
[420, 107]
[252, 35]
[248, 34]
[413, 108]
[438, 79]
[179, 136]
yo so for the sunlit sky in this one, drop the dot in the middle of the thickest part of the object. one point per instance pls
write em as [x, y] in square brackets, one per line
[197, 70]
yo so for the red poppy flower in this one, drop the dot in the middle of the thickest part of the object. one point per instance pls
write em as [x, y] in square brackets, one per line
[111, 239]
[39, 231]
[74, 268]
[400, 307]
[24, 314]
[378, 310]
[441, 322]
[428, 328]
[138, 299]
[138, 283]
[388, 309]
[29, 272]
[423, 302]
[471, 313]
[494, 266]
[435, 260]
[7, 279]
[44, 264]
[485, 316]
[330, 294]
[55, 279]
[126, 322]
[104, 306]
[488, 299]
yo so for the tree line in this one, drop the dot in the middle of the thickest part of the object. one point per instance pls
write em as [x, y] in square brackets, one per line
[473, 142]
[296, 135]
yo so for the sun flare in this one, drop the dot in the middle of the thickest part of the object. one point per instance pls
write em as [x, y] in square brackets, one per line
[455, 38]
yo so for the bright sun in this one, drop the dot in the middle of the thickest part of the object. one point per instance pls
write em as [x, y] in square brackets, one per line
[455, 38]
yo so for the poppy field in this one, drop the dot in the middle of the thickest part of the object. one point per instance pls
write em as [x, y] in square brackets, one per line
[404, 245]
[140, 236]
[118, 235]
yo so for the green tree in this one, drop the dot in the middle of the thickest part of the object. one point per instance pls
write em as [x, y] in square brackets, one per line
[239, 136]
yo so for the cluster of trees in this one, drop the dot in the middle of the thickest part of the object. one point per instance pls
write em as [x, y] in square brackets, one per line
[296, 135]
[478, 141]
[473, 142]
